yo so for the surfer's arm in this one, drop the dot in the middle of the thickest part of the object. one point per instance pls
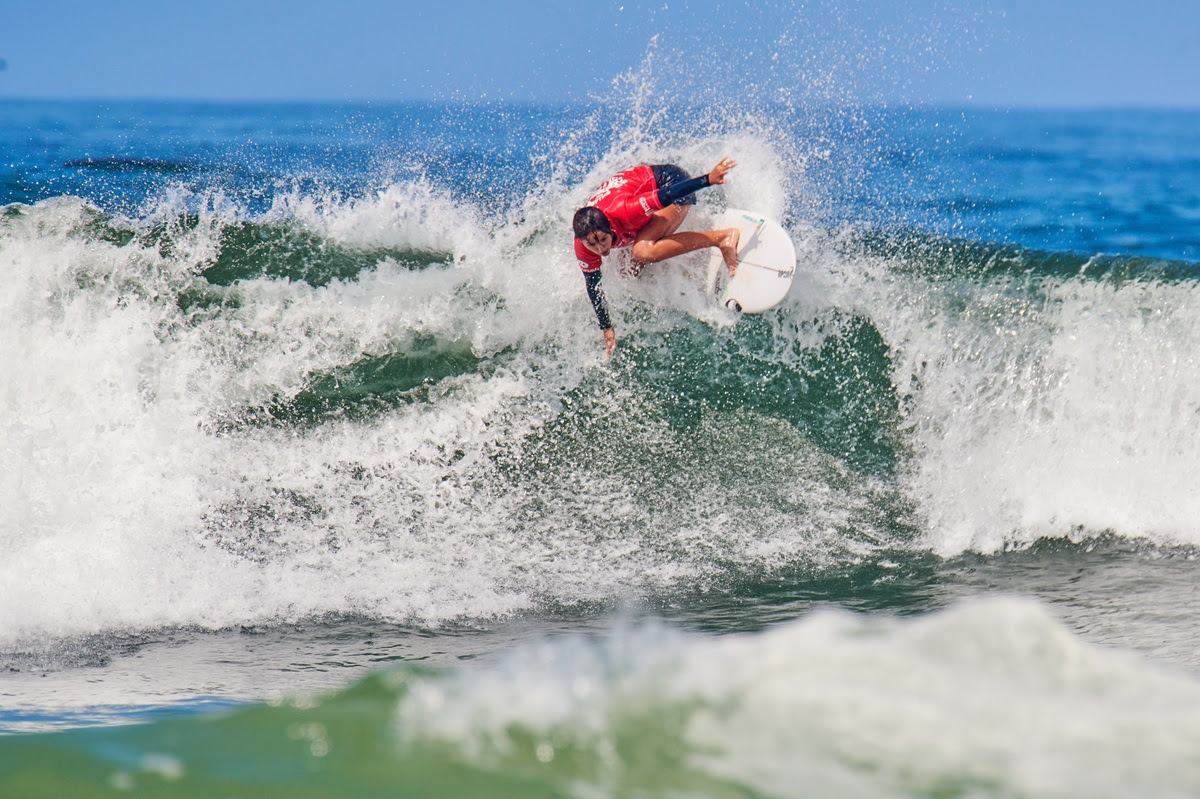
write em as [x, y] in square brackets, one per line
[589, 262]
[677, 191]
[595, 292]
[671, 194]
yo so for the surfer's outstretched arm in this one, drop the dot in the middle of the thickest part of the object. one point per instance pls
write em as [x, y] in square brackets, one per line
[677, 191]
[595, 292]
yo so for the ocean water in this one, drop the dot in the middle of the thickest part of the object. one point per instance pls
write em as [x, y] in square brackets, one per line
[315, 481]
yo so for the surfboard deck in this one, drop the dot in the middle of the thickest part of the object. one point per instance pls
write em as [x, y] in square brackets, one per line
[766, 263]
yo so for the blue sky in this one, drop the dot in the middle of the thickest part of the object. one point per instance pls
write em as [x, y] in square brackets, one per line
[1018, 53]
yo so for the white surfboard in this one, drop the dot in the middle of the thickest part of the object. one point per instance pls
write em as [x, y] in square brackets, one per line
[766, 263]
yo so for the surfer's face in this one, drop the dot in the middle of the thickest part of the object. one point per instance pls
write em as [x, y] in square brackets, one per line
[598, 242]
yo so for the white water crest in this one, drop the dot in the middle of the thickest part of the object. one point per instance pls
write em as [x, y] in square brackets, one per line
[1039, 406]
[990, 697]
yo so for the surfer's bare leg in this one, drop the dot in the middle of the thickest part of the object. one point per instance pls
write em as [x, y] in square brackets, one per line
[664, 223]
[647, 250]
[729, 249]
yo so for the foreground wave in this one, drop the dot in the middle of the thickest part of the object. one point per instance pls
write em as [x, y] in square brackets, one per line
[990, 698]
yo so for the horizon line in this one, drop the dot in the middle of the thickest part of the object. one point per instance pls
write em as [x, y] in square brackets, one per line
[912, 105]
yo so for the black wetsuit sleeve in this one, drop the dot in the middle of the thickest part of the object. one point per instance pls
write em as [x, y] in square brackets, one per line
[677, 191]
[595, 293]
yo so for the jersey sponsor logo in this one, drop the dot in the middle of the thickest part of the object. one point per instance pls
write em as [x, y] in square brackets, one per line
[585, 266]
[645, 203]
[607, 188]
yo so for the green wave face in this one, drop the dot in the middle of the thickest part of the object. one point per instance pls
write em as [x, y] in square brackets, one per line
[251, 250]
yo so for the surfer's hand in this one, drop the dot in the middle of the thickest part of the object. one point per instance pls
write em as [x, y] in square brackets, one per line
[717, 175]
[610, 343]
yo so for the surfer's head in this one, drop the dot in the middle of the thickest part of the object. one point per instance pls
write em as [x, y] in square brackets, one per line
[592, 228]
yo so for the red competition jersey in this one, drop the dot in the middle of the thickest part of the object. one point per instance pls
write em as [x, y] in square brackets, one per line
[628, 199]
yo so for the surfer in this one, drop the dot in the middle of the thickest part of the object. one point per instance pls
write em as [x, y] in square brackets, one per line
[643, 207]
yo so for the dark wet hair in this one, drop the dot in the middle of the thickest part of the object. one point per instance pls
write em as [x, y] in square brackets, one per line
[590, 218]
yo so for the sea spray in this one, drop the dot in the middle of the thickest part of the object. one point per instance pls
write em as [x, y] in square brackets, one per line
[304, 441]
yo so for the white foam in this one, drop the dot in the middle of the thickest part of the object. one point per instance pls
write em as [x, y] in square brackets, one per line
[415, 214]
[133, 499]
[992, 693]
[1044, 407]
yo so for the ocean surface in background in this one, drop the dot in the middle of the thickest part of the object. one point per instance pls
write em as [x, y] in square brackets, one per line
[315, 482]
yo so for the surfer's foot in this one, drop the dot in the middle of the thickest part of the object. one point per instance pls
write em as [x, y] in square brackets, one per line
[729, 248]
